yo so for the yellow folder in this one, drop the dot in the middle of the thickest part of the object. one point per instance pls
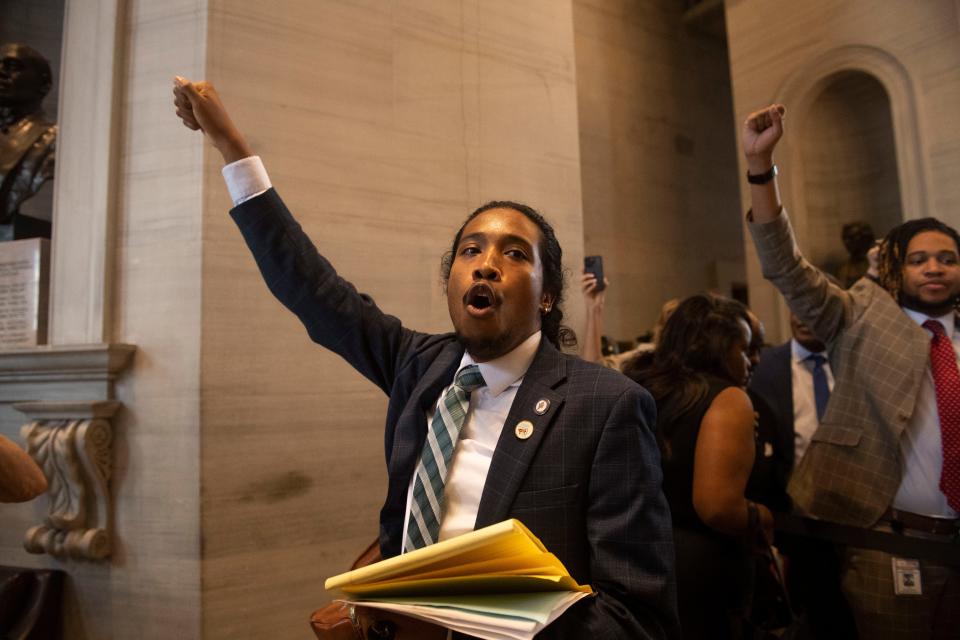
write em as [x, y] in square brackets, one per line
[502, 558]
[497, 583]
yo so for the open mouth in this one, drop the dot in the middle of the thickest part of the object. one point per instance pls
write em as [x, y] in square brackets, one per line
[480, 299]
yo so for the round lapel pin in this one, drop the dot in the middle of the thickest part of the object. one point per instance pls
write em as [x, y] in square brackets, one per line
[524, 429]
[541, 407]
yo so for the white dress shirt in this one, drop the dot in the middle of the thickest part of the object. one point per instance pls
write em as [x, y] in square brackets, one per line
[246, 178]
[805, 420]
[489, 405]
[920, 446]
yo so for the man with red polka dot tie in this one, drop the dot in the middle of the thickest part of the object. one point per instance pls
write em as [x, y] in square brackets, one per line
[946, 380]
[887, 452]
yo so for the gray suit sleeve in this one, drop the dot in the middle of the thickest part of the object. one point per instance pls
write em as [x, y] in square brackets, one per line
[824, 307]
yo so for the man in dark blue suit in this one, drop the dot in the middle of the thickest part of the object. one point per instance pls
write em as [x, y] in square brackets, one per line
[793, 381]
[562, 445]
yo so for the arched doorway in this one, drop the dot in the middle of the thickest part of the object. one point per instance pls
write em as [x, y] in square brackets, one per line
[848, 151]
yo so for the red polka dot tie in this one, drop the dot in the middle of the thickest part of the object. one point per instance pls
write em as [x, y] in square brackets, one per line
[946, 380]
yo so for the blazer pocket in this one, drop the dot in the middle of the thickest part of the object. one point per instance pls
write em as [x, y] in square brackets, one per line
[545, 498]
[839, 435]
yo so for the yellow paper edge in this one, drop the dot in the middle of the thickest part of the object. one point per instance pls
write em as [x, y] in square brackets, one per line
[462, 585]
[509, 531]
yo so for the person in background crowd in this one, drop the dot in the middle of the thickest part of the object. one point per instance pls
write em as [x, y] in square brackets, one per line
[887, 451]
[20, 477]
[770, 465]
[705, 429]
[794, 380]
[593, 329]
[858, 238]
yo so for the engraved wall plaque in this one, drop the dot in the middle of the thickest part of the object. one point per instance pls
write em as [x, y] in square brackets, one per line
[24, 278]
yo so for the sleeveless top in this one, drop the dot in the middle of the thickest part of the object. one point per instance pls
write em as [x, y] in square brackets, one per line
[678, 459]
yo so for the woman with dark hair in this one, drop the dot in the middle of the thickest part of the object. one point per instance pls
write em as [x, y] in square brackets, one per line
[705, 428]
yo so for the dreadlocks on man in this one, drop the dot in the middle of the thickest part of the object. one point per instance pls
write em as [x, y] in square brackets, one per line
[894, 256]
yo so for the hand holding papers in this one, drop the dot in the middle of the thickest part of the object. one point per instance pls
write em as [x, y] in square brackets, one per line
[498, 582]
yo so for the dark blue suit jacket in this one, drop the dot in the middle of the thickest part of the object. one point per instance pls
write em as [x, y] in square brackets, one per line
[772, 381]
[587, 482]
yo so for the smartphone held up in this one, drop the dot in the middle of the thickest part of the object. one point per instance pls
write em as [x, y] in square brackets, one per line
[594, 265]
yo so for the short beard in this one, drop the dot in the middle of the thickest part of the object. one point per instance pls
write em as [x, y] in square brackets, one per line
[486, 350]
[928, 308]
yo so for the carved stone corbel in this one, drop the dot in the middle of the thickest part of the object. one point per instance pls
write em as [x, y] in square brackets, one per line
[71, 441]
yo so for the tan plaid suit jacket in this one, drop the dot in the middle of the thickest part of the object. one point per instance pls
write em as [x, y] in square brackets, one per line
[852, 469]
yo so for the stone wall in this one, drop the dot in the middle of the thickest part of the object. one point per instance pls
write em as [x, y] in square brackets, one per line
[658, 165]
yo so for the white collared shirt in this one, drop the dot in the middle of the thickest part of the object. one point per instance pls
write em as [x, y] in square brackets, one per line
[489, 406]
[921, 448]
[805, 420]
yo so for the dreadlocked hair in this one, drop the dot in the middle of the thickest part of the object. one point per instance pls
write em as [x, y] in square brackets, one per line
[893, 252]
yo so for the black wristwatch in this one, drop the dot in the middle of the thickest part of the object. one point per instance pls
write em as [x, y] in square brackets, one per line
[763, 178]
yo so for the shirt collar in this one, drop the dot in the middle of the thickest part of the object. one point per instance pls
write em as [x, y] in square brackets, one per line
[947, 320]
[509, 369]
[801, 353]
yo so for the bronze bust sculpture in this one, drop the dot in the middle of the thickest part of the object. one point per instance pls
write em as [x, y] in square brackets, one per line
[27, 138]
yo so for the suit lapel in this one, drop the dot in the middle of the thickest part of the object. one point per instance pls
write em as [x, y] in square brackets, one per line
[513, 454]
[411, 430]
[915, 360]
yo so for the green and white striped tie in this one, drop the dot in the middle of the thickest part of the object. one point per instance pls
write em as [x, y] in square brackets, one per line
[426, 508]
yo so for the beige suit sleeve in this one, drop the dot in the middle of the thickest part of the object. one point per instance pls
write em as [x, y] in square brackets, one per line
[824, 307]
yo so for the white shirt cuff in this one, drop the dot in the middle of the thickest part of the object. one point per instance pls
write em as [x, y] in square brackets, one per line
[246, 178]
